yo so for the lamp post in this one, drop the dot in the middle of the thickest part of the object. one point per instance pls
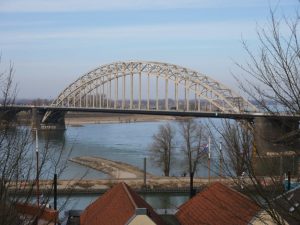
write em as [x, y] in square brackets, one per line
[37, 167]
[220, 162]
[208, 159]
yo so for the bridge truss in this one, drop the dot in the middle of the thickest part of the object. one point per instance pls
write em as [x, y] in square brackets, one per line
[150, 86]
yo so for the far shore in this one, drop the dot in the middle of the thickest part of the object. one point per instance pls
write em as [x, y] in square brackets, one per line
[102, 118]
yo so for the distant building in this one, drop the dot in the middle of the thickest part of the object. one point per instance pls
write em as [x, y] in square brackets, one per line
[219, 204]
[120, 206]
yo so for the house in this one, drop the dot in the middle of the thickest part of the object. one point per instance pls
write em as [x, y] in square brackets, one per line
[219, 204]
[120, 206]
[31, 213]
[72, 217]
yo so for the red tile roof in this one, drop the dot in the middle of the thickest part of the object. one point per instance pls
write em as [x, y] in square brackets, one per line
[116, 207]
[47, 214]
[217, 204]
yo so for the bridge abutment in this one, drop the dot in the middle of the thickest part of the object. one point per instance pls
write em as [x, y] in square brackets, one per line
[54, 126]
[55, 122]
[277, 146]
[8, 117]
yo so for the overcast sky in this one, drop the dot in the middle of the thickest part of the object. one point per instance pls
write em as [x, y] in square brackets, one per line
[52, 43]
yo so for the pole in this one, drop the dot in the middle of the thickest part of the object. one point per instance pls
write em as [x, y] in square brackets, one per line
[176, 93]
[220, 162]
[140, 86]
[131, 86]
[280, 169]
[166, 94]
[293, 165]
[55, 191]
[185, 96]
[37, 167]
[208, 159]
[156, 91]
[289, 181]
[191, 185]
[145, 167]
[148, 91]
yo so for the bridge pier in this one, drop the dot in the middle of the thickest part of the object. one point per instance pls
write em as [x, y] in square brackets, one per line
[36, 118]
[277, 146]
[55, 122]
[8, 118]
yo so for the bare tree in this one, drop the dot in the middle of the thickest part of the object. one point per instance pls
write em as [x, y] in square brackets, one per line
[273, 68]
[195, 138]
[8, 89]
[162, 147]
[237, 145]
[18, 166]
[273, 83]
[239, 162]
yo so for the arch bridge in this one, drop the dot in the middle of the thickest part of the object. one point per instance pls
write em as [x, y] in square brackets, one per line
[152, 86]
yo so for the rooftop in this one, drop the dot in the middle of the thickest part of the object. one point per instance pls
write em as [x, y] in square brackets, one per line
[116, 207]
[218, 204]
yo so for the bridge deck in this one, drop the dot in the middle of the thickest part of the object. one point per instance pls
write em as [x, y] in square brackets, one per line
[225, 115]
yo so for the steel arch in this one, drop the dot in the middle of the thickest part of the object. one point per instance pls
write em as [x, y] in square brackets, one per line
[204, 87]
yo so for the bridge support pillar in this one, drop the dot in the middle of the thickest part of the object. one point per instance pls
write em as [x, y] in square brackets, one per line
[36, 118]
[277, 146]
[55, 122]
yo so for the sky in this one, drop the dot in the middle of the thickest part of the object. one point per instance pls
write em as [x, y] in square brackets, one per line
[52, 43]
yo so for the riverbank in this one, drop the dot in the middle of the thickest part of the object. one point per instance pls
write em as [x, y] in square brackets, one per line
[114, 169]
[154, 185]
[78, 119]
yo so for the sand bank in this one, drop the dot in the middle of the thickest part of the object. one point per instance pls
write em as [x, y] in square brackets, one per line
[114, 169]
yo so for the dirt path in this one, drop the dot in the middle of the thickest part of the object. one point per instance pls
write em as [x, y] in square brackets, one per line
[113, 168]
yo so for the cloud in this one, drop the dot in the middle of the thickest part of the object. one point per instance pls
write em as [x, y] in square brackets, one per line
[196, 31]
[104, 5]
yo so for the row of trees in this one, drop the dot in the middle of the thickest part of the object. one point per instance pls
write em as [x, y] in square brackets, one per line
[232, 141]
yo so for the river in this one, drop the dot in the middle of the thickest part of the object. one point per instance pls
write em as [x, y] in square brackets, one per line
[126, 142]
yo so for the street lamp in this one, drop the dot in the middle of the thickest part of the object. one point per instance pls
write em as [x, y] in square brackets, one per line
[37, 167]
[220, 162]
[208, 159]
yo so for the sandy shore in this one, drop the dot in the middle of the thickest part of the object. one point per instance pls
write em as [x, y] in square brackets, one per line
[115, 169]
[85, 118]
